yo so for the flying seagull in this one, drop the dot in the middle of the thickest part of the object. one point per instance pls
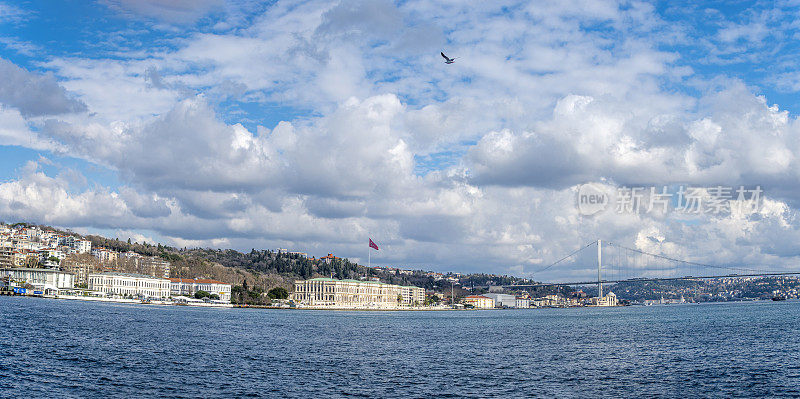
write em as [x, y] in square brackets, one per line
[448, 60]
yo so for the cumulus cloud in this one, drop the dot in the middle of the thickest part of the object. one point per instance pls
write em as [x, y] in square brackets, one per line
[38, 197]
[35, 95]
[732, 137]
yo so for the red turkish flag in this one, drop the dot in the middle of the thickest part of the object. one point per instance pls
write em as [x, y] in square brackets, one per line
[372, 245]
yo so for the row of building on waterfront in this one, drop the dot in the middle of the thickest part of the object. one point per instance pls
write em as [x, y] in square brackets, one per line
[316, 292]
[32, 247]
[113, 284]
[332, 293]
[495, 300]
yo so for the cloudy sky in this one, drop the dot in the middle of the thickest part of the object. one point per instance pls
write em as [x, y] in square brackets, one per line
[313, 126]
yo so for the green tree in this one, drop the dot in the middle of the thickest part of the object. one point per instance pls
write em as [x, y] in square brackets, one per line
[278, 293]
[201, 294]
[237, 294]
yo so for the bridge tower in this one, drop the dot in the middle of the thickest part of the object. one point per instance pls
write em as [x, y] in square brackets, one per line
[599, 265]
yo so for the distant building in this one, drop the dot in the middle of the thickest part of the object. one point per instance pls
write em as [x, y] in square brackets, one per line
[189, 286]
[328, 292]
[328, 259]
[52, 253]
[83, 246]
[25, 257]
[522, 303]
[479, 301]
[609, 300]
[549, 300]
[503, 300]
[76, 244]
[6, 256]
[128, 284]
[131, 255]
[49, 281]
[105, 255]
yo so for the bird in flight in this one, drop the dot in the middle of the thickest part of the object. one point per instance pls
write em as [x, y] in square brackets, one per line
[448, 60]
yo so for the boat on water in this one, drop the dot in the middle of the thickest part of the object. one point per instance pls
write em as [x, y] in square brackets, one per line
[779, 298]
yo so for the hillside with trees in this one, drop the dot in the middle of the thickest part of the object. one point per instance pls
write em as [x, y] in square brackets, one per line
[255, 275]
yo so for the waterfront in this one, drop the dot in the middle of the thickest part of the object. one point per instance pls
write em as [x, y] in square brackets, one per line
[86, 349]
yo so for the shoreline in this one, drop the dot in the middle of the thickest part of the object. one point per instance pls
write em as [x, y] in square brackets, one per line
[348, 309]
[335, 309]
[122, 301]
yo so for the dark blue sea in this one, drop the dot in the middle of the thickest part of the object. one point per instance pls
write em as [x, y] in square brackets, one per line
[61, 349]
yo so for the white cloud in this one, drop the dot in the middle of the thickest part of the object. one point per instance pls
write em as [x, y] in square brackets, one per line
[14, 130]
[172, 11]
[34, 95]
[115, 90]
[732, 137]
[12, 14]
[21, 47]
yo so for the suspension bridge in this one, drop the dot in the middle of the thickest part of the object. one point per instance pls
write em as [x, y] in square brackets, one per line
[620, 264]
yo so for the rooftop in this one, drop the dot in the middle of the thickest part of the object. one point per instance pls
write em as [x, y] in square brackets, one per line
[328, 279]
[25, 269]
[128, 275]
[196, 280]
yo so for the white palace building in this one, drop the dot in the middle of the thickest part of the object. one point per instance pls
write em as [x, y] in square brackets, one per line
[332, 293]
[129, 284]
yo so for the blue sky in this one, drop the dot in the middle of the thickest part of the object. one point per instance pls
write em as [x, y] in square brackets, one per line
[313, 125]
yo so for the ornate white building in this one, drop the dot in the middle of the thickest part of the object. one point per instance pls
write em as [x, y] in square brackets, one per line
[328, 292]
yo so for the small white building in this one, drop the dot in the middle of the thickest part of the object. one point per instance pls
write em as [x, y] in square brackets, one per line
[189, 286]
[105, 255]
[609, 300]
[49, 281]
[47, 254]
[83, 246]
[128, 284]
[76, 244]
[479, 301]
[522, 303]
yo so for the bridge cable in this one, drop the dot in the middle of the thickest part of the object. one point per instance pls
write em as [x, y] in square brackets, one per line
[566, 257]
[683, 261]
